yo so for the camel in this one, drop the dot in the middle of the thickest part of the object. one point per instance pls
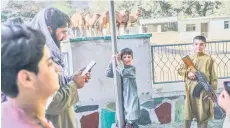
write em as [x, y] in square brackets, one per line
[132, 19]
[135, 18]
[121, 18]
[78, 21]
[99, 22]
[92, 21]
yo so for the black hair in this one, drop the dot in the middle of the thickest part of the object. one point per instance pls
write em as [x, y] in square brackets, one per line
[22, 48]
[55, 18]
[202, 38]
[126, 51]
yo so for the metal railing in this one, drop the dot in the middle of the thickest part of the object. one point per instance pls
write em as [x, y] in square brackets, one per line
[166, 60]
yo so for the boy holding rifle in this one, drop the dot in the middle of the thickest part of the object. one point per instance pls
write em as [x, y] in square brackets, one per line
[198, 103]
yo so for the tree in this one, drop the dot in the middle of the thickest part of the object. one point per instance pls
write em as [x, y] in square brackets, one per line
[157, 9]
[199, 8]
[207, 7]
[125, 5]
[149, 9]
[224, 9]
[66, 6]
[28, 9]
[24, 9]
[166, 9]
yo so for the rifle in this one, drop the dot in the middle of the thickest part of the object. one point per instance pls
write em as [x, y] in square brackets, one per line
[203, 83]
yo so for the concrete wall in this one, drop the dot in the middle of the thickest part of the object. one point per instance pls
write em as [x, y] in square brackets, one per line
[162, 105]
[100, 87]
[183, 34]
[98, 95]
[217, 31]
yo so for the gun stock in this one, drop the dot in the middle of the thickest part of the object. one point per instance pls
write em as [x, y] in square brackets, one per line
[187, 61]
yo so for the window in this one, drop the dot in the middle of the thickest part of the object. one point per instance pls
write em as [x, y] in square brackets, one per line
[190, 27]
[226, 24]
[170, 26]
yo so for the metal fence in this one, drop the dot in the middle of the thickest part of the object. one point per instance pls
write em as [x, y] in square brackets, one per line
[166, 60]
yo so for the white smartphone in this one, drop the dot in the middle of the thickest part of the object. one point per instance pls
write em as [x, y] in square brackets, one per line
[88, 67]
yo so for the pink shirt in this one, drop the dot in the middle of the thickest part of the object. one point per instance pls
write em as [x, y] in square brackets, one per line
[14, 117]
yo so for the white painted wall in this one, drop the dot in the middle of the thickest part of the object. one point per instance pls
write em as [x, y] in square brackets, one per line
[183, 35]
[217, 31]
[101, 88]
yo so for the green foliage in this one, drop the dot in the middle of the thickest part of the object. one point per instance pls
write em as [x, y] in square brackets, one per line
[200, 8]
[28, 9]
[18, 9]
[158, 9]
[150, 9]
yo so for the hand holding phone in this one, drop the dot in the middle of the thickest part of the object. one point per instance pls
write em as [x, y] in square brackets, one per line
[81, 77]
[88, 67]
